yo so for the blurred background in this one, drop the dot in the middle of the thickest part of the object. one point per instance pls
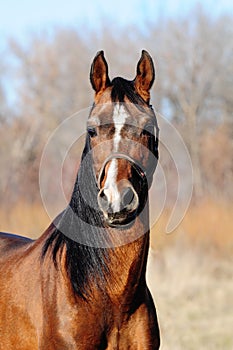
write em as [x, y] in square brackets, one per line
[46, 49]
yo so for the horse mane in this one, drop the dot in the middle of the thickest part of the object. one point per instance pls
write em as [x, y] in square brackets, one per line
[85, 263]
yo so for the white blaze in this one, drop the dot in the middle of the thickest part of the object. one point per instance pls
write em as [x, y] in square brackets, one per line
[111, 189]
[119, 118]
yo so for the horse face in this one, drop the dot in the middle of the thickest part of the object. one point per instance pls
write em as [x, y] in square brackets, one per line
[121, 129]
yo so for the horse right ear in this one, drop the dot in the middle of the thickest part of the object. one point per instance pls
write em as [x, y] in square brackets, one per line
[145, 76]
[99, 73]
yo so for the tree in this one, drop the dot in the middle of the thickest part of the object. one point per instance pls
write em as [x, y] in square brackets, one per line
[195, 64]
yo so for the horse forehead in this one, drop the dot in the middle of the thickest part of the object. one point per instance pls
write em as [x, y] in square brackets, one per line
[118, 113]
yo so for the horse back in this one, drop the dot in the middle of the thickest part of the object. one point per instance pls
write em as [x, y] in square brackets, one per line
[11, 241]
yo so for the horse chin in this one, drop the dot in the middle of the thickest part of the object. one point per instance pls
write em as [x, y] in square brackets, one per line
[121, 221]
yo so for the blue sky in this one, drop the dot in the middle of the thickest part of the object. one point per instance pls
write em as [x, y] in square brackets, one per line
[19, 18]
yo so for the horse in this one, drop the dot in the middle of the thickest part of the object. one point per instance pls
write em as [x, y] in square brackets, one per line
[81, 284]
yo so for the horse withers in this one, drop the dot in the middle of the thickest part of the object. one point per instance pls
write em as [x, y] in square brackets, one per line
[82, 284]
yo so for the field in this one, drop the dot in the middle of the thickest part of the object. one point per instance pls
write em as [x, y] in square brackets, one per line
[191, 277]
[190, 273]
[193, 293]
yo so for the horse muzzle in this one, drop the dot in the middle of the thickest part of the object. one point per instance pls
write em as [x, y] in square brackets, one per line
[119, 200]
[119, 203]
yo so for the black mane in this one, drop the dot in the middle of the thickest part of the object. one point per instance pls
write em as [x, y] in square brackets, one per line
[80, 229]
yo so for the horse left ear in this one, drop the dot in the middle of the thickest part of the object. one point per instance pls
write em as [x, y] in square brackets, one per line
[145, 76]
[99, 73]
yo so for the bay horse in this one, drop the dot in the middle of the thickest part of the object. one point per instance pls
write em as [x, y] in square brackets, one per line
[82, 284]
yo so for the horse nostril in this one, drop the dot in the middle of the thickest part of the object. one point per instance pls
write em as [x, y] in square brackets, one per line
[103, 200]
[127, 197]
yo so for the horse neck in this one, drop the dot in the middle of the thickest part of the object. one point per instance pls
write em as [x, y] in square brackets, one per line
[114, 269]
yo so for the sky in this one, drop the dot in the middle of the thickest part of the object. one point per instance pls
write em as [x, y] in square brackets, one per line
[18, 18]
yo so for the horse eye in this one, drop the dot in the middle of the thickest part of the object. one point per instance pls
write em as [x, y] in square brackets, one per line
[148, 130]
[91, 131]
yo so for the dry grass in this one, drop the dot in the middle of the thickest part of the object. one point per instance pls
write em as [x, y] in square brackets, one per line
[193, 293]
[208, 225]
[24, 219]
[191, 277]
[190, 273]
